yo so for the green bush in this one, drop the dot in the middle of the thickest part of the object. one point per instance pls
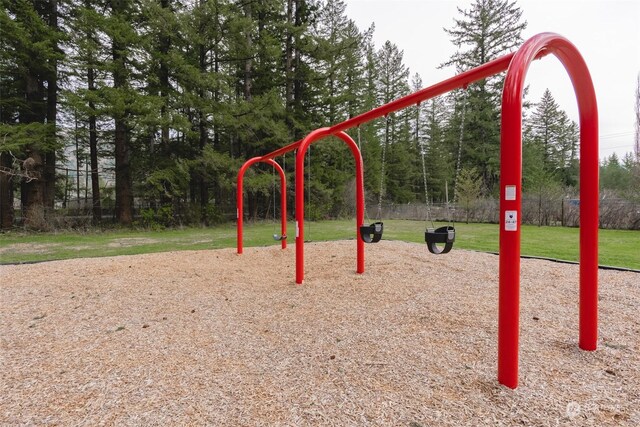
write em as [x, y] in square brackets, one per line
[157, 219]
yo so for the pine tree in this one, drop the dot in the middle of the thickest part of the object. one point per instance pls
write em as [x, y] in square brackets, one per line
[469, 190]
[490, 28]
[555, 136]
[368, 134]
[615, 175]
[393, 83]
[339, 62]
[29, 54]
[441, 162]
[121, 99]
[84, 97]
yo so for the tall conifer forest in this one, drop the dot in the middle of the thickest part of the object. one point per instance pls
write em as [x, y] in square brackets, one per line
[122, 109]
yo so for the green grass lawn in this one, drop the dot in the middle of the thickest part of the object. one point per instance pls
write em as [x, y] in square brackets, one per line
[619, 248]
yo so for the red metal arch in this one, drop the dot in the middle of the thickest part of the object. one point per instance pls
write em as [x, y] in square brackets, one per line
[510, 184]
[302, 149]
[511, 201]
[240, 204]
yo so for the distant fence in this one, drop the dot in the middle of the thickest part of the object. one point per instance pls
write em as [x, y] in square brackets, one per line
[614, 213]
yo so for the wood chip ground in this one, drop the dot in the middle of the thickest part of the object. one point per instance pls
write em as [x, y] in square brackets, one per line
[213, 338]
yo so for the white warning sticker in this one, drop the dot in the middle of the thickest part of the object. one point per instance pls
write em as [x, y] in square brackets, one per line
[297, 230]
[509, 192]
[511, 220]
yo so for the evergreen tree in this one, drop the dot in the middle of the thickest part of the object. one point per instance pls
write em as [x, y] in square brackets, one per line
[84, 96]
[490, 28]
[615, 175]
[339, 62]
[120, 100]
[539, 183]
[29, 56]
[555, 137]
[368, 134]
[469, 190]
[441, 161]
[392, 83]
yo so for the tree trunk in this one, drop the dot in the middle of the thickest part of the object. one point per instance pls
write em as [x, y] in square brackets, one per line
[289, 57]
[540, 209]
[6, 193]
[77, 162]
[33, 189]
[33, 192]
[248, 63]
[297, 60]
[124, 190]
[52, 112]
[93, 153]
[165, 43]
[202, 128]
[124, 193]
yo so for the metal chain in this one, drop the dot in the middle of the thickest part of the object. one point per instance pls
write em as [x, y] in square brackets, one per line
[273, 174]
[424, 167]
[309, 177]
[384, 154]
[360, 148]
[458, 162]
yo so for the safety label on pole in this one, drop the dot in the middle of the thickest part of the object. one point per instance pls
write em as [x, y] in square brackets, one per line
[511, 220]
[297, 230]
[510, 192]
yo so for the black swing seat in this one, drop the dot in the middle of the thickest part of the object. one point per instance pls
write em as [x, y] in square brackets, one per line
[446, 235]
[279, 237]
[371, 233]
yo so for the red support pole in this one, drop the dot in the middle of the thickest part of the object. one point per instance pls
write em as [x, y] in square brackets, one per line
[357, 156]
[302, 149]
[240, 199]
[511, 201]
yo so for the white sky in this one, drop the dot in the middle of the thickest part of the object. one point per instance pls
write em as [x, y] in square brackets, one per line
[606, 32]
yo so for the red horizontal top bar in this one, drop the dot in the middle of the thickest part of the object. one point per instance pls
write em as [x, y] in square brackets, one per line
[461, 80]
[281, 151]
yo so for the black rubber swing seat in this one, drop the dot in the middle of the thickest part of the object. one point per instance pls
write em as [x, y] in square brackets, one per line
[371, 233]
[444, 235]
[279, 238]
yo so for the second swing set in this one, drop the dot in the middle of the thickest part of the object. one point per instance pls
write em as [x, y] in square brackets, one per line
[434, 237]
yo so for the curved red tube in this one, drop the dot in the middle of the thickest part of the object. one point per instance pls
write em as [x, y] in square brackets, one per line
[302, 149]
[240, 204]
[510, 184]
[511, 201]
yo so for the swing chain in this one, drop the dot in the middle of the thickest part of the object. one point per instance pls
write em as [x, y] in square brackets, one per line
[382, 172]
[424, 167]
[273, 174]
[360, 149]
[459, 159]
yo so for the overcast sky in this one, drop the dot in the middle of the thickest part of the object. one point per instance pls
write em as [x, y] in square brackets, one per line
[606, 32]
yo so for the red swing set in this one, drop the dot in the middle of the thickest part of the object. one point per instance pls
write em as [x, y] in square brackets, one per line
[516, 64]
